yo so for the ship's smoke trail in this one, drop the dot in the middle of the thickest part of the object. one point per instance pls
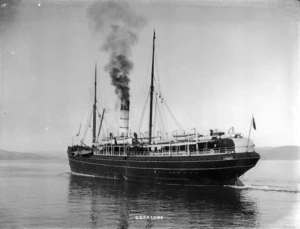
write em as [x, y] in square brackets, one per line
[119, 25]
[119, 68]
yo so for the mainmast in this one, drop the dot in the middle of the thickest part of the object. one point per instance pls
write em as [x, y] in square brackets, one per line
[95, 106]
[151, 90]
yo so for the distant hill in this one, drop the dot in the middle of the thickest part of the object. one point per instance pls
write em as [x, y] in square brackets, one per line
[279, 153]
[52, 154]
[10, 155]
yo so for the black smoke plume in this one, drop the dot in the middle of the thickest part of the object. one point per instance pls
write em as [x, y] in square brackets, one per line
[119, 25]
[119, 68]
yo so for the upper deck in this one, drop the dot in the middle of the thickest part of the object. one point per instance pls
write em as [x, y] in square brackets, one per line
[218, 146]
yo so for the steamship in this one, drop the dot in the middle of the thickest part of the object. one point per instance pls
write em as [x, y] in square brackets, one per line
[187, 158]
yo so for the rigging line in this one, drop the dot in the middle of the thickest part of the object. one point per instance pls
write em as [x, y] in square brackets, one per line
[168, 75]
[87, 127]
[111, 126]
[100, 99]
[84, 115]
[159, 118]
[161, 60]
[188, 114]
[157, 72]
[160, 121]
[172, 116]
[100, 106]
[78, 131]
[157, 79]
[143, 113]
[146, 84]
[86, 122]
[159, 89]
[178, 99]
[141, 99]
[177, 123]
[155, 114]
[163, 116]
[105, 133]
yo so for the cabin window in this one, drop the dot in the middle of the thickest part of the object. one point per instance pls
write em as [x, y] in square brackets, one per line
[182, 148]
[202, 146]
[210, 145]
[192, 148]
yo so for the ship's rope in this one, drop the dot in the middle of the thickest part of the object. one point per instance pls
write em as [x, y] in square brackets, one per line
[87, 126]
[172, 115]
[85, 114]
[141, 104]
[178, 100]
[162, 118]
[143, 113]
[155, 114]
[163, 101]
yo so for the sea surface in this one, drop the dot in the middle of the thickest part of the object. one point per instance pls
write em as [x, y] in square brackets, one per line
[44, 194]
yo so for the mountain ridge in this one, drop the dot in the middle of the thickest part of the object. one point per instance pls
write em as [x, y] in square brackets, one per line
[40, 155]
[279, 152]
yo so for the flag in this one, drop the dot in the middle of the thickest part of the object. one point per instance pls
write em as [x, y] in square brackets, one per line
[254, 125]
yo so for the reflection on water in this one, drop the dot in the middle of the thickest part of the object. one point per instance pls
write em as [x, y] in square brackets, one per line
[45, 195]
[112, 203]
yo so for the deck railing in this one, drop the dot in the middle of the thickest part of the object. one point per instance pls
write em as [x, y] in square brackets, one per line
[221, 150]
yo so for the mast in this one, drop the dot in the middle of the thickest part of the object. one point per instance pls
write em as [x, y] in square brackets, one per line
[102, 117]
[95, 106]
[151, 90]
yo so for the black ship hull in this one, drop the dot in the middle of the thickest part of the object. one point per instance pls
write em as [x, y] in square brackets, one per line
[221, 169]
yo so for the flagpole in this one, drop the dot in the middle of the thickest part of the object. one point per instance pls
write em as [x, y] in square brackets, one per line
[249, 132]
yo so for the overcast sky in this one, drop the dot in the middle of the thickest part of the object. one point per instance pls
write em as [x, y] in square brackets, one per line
[217, 63]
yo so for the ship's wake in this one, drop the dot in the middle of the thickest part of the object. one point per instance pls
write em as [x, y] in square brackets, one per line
[267, 188]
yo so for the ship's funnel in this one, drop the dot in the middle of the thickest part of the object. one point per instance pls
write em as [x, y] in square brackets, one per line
[124, 118]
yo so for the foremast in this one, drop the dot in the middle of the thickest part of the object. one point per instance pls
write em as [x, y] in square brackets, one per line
[151, 90]
[95, 106]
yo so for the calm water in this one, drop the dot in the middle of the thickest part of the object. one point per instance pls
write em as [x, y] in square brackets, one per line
[43, 194]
